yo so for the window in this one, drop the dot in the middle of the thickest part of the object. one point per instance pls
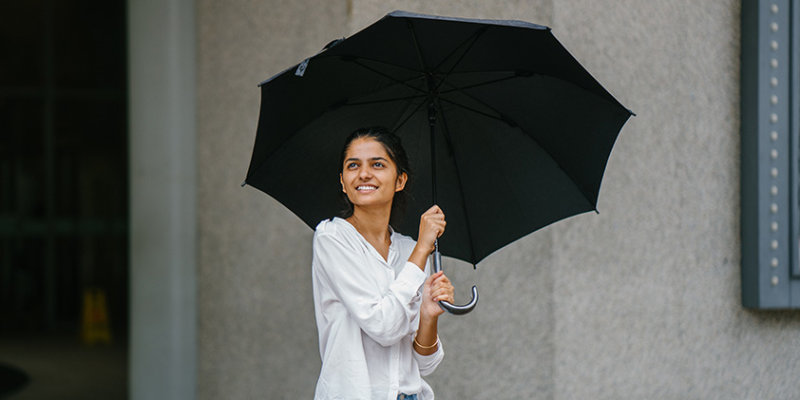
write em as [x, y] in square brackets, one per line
[770, 190]
[63, 163]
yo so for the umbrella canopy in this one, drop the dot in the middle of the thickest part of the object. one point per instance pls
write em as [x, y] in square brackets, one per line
[521, 132]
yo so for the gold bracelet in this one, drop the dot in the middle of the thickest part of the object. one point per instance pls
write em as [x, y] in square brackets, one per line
[426, 347]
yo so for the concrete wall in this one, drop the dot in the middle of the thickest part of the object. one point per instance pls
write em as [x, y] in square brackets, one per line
[648, 294]
[256, 332]
[640, 301]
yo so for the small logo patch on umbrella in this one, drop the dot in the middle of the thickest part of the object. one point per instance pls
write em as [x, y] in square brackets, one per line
[301, 69]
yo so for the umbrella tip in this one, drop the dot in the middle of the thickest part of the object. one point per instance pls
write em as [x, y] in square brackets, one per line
[333, 42]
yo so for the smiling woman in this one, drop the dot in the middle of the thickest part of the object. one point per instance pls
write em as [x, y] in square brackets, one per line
[375, 305]
[370, 143]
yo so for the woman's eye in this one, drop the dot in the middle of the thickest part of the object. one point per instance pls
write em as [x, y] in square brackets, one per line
[378, 164]
[352, 165]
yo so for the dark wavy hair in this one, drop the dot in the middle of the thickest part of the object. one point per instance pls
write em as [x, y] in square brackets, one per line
[394, 148]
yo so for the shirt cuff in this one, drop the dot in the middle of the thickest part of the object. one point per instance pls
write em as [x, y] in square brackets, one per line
[408, 281]
[427, 364]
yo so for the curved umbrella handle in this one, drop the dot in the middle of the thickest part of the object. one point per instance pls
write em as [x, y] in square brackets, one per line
[447, 306]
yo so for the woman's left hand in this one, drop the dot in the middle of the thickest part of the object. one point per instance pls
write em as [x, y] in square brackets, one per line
[437, 288]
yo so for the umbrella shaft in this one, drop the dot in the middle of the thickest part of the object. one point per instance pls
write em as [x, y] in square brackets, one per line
[437, 257]
[432, 125]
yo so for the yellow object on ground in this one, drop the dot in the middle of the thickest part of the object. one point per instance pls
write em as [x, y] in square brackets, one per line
[95, 317]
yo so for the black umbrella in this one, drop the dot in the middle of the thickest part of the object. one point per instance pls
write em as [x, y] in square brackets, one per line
[514, 132]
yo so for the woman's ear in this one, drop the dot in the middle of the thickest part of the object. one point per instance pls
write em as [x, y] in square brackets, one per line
[401, 182]
[341, 180]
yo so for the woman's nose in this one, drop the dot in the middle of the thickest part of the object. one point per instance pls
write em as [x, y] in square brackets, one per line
[365, 173]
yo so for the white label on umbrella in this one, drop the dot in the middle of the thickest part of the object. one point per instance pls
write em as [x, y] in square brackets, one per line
[301, 69]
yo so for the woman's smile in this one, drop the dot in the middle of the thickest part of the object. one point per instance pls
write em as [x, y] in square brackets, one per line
[366, 188]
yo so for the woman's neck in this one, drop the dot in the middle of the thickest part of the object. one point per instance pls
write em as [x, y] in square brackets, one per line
[372, 224]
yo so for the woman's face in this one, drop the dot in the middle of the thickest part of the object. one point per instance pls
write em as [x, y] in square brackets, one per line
[369, 176]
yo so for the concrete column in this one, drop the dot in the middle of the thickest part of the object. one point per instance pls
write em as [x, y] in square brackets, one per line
[162, 214]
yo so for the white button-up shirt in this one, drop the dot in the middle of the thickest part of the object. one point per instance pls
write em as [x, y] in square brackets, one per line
[367, 312]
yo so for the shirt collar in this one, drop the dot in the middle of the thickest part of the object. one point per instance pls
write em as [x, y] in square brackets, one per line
[392, 240]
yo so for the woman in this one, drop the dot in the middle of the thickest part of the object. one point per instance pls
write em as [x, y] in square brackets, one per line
[377, 333]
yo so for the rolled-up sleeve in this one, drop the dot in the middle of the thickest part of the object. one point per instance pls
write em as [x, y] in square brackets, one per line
[384, 316]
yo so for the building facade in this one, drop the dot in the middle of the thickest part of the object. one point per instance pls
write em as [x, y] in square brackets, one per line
[642, 300]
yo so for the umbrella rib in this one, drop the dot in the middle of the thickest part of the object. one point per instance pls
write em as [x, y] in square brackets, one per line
[508, 71]
[393, 79]
[607, 97]
[456, 88]
[360, 103]
[411, 114]
[473, 39]
[416, 46]
[485, 114]
[449, 142]
[513, 123]
[387, 76]
[352, 58]
[483, 103]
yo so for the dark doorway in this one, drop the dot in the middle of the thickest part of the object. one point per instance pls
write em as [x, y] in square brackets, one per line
[64, 184]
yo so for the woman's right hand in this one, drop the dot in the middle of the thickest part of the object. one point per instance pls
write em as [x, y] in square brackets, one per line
[431, 226]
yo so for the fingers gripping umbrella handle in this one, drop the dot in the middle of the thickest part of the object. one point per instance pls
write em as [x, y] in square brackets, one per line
[447, 306]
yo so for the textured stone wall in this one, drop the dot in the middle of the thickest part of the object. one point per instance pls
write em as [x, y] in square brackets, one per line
[256, 333]
[647, 294]
[640, 301]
